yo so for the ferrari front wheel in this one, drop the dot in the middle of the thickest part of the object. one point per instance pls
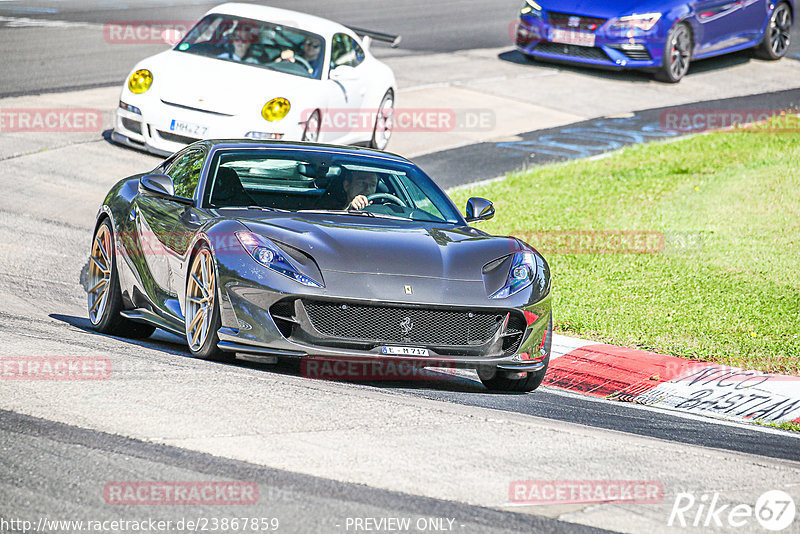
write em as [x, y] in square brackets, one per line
[384, 122]
[517, 381]
[103, 291]
[202, 308]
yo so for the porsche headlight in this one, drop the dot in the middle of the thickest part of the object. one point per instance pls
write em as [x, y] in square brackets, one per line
[275, 109]
[644, 22]
[520, 275]
[140, 81]
[270, 256]
[531, 8]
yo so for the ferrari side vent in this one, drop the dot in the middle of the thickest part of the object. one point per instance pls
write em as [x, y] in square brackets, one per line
[283, 314]
[513, 336]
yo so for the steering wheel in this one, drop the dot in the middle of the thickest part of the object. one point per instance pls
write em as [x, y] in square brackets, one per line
[386, 196]
[297, 59]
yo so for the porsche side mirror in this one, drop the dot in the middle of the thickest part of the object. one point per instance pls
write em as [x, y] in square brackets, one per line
[161, 186]
[479, 209]
[344, 73]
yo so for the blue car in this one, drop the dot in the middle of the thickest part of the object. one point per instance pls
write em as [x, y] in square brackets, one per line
[663, 37]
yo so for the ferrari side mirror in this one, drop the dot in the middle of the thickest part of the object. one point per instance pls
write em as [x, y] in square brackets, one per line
[161, 186]
[479, 209]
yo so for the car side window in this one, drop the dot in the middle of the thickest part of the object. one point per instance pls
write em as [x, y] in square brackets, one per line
[185, 172]
[345, 51]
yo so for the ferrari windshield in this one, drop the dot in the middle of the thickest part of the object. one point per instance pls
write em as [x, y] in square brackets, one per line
[293, 182]
[257, 43]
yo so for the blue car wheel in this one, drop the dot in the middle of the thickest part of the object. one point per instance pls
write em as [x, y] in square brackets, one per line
[778, 35]
[677, 54]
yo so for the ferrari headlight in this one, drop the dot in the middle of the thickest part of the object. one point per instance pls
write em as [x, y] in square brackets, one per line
[140, 81]
[643, 22]
[531, 8]
[520, 275]
[270, 256]
[275, 109]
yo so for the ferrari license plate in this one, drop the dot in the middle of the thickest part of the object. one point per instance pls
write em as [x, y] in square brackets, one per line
[405, 351]
[195, 130]
[571, 37]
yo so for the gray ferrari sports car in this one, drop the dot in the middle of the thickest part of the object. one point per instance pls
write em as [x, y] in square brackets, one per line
[293, 250]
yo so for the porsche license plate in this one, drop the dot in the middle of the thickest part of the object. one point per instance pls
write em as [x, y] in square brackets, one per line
[405, 351]
[195, 130]
[571, 37]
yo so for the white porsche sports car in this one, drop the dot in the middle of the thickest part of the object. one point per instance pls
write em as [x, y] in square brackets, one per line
[249, 71]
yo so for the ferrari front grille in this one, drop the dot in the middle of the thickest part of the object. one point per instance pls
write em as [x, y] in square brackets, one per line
[390, 324]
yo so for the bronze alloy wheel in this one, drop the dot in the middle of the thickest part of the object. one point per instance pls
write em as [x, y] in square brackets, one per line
[200, 295]
[100, 264]
[104, 295]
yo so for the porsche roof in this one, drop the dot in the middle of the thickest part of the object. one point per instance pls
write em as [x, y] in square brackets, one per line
[218, 144]
[282, 16]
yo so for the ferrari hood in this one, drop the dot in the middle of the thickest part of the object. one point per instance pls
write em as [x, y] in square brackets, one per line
[221, 86]
[383, 246]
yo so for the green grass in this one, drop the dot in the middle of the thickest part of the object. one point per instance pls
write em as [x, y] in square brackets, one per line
[794, 427]
[725, 287]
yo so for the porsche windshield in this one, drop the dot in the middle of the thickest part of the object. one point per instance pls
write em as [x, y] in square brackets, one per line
[296, 183]
[257, 43]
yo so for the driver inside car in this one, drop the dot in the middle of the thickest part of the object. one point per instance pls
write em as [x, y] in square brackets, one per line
[351, 192]
[311, 49]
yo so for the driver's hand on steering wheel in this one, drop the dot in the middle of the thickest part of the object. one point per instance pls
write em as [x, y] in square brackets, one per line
[287, 55]
[359, 202]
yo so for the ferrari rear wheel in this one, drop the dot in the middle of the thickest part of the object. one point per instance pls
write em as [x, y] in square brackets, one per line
[384, 122]
[104, 294]
[202, 308]
[677, 54]
[311, 131]
[499, 380]
[778, 35]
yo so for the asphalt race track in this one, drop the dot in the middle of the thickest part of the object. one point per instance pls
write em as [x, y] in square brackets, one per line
[326, 453]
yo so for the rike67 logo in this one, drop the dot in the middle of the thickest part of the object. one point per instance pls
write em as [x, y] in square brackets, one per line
[774, 511]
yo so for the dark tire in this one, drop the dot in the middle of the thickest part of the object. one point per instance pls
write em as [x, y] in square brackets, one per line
[500, 381]
[311, 130]
[777, 37]
[202, 308]
[103, 291]
[384, 122]
[677, 54]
